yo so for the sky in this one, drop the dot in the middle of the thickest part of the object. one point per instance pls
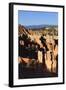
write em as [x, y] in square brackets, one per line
[27, 18]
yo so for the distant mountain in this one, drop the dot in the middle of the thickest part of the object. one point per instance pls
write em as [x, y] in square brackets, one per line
[40, 26]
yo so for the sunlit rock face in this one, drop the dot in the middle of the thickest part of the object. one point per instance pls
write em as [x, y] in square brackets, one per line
[40, 55]
[48, 61]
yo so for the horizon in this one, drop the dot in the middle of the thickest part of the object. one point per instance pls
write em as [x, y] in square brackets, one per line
[38, 25]
[30, 18]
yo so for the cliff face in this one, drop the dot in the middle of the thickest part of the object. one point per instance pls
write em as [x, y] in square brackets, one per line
[22, 30]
